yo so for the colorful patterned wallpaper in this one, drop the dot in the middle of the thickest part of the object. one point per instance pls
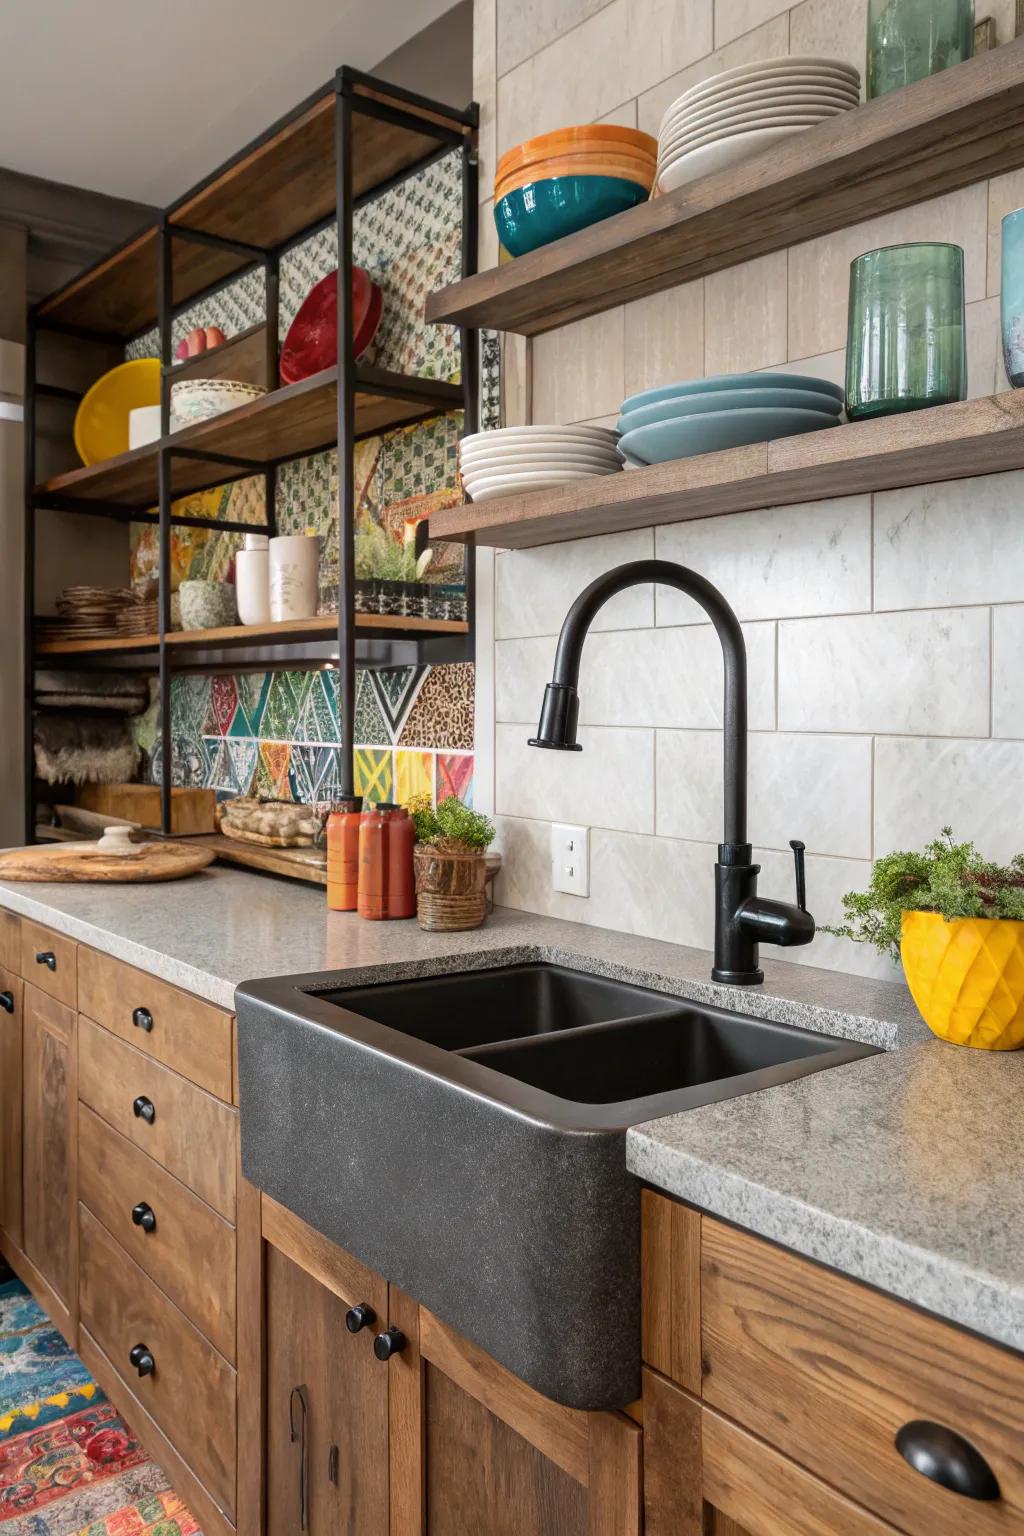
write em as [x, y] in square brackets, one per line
[277, 733]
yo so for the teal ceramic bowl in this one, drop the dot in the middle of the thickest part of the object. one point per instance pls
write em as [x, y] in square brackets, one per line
[718, 429]
[723, 381]
[728, 400]
[543, 211]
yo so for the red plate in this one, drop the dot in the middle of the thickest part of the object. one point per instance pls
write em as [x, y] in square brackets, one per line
[312, 340]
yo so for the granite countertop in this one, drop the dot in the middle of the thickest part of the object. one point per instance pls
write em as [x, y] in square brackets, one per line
[900, 1169]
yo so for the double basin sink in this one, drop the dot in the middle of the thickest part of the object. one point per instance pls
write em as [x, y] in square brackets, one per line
[463, 1134]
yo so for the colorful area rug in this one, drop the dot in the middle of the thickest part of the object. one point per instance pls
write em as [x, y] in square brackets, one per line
[69, 1464]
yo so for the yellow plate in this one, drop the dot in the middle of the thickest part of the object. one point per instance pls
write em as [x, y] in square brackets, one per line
[101, 421]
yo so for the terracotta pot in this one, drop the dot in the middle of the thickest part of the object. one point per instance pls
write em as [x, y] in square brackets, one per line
[450, 893]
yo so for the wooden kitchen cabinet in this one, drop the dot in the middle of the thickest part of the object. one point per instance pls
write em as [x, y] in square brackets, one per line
[49, 1150]
[11, 1016]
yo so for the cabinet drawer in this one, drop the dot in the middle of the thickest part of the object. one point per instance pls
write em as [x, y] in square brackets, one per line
[173, 1027]
[829, 1371]
[10, 941]
[190, 1390]
[49, 962]
[186, 1130]
[178, 1240]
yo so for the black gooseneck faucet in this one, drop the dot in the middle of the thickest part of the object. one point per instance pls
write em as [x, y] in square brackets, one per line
[742, 918]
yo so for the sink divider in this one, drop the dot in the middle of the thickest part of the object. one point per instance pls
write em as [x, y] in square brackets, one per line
[534, 1042]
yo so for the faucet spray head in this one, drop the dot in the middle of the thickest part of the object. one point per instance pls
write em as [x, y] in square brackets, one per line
[557, 727]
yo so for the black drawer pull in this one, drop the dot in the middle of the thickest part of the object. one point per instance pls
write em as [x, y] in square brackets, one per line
[144, 1216]
[48, 958]
[143, 1361]
[7, 1002]
[142, 1019]
[391, 1342]
[360, 1316]
[946, 1458]
[144, 1109]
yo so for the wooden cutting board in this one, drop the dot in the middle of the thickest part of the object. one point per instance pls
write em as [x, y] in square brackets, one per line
[192, 810]
[84, 862]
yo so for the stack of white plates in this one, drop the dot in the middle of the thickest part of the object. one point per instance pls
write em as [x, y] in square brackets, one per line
[746, 110]
[515, 459]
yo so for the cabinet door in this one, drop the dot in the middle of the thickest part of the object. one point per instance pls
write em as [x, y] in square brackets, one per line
[49, 1146]
[10, 1104]
[327, 1412]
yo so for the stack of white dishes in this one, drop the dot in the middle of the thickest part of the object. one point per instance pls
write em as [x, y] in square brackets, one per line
[511, 460]
[746, 110]
[704, 415]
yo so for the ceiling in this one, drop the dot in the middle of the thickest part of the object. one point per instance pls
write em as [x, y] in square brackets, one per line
[140, 98]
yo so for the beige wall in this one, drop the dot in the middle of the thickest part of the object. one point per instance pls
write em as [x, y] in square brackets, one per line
[884, 633]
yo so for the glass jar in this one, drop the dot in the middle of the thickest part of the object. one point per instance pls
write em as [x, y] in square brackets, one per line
[1011, 301]
[905, 346]
[909, 39]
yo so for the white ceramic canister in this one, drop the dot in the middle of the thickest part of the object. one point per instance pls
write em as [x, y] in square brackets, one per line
[143, 425]
[294, 576]
[252, 579]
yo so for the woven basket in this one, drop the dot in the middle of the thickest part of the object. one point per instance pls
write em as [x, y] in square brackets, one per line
[450, 893]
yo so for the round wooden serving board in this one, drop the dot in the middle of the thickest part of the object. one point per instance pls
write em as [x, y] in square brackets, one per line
[83, 861]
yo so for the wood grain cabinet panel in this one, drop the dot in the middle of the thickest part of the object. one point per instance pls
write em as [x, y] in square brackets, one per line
[190, 1390]
[180, 1241]
[50, 962]
[191, 1134]
[828, 1371]
[327, 1412]
[178, 1030]
[11, 1026]
[10, 942]
[49, 1144]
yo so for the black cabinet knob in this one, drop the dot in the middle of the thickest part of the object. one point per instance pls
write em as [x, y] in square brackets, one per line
[391, 1342]
[144, 1109]
[143, 1361]
[7, 1002]
[360, 1316]
[142, 1019]
[144, 1216]
[946, 1458]
[48, 958]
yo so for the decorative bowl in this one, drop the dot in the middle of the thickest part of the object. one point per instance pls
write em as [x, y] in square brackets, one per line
[195, 400]
[716, 430]
[101, 421]
[207, 604]
[312, 340]
[626, 167]
[543, 211]
[589, 138]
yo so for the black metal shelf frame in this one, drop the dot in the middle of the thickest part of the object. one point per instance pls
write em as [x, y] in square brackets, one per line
[349, 88]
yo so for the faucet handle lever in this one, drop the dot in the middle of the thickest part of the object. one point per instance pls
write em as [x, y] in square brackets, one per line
[801, 879]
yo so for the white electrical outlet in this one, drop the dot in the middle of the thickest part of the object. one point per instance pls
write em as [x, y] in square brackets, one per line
[570, 860]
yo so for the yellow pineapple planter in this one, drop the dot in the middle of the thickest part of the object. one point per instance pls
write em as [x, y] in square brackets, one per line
[967, 977]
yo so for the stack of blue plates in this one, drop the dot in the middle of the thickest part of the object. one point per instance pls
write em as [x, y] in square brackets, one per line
[702, 415]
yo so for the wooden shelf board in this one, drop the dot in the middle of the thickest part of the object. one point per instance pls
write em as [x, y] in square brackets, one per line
[295, 420]
[242, 357]
[947, 442]
[117, 645]
[294, 863]
[951, 129]
[266, 196]
[236, 636]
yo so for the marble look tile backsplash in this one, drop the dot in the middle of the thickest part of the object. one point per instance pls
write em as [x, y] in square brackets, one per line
[884, 633]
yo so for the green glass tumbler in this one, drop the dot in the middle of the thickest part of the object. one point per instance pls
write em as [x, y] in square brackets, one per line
[909, 39]
[905, 345]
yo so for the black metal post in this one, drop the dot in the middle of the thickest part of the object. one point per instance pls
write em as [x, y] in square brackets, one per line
[29, 575]
[272, 286]
[469, 348]
[165, 301]
[346, 435]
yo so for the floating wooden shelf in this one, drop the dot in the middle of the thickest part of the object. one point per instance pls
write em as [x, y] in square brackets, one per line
[948, 442]
[242, 357]
[270, 193]
[957, 127]
[237, 636]
[288, 423]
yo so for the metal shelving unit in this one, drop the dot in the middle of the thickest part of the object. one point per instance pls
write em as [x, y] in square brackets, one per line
[347, 144]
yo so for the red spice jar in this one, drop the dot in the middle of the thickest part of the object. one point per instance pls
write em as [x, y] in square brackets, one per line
[386, 840]
[343, 854]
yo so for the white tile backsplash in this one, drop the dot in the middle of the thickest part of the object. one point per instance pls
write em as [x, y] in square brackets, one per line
[961, 541]
[535, 587]
[1008, 671]
[972, 786]
[609, 784]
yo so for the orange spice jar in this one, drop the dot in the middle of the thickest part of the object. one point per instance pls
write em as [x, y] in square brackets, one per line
[343, 854]
[386, 884]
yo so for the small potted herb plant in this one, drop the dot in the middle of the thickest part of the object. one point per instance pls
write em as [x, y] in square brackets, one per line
[957, 923]
[451, 871]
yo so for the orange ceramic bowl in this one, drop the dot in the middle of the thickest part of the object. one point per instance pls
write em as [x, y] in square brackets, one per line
[591, 138]
[622, 167]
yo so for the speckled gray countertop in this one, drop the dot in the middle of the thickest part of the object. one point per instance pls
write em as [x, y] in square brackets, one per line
[901, 1170]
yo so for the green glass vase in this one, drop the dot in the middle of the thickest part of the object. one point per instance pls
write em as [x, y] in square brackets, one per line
[905, 346]
[909, 39]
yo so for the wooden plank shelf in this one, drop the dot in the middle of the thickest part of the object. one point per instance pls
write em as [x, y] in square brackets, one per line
[272, 192]
[287, 423]
[242, 357]
[951, 129]
[947, 442]
[237, 636]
